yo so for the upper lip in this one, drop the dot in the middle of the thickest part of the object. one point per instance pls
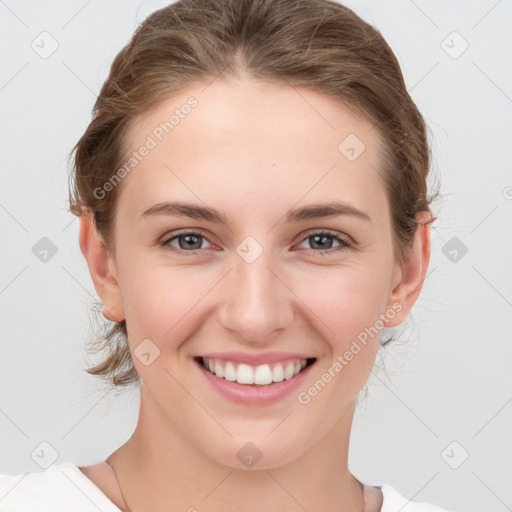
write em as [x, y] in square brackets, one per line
[255, 359]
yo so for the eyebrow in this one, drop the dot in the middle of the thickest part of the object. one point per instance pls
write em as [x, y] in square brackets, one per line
[315, 211]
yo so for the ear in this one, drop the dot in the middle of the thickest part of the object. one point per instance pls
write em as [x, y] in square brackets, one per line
[101, 267]
[411, 273]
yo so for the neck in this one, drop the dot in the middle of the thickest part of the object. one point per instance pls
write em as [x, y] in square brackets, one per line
[158, 469]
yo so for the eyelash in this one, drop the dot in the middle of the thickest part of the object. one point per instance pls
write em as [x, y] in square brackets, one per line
[344, 242]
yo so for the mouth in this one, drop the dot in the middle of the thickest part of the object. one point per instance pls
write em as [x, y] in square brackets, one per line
[255, 375]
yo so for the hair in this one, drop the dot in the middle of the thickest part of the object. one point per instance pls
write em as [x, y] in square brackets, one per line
[320, 45]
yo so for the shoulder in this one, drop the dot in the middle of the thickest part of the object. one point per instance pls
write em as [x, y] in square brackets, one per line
[59, 488]
[393, 501]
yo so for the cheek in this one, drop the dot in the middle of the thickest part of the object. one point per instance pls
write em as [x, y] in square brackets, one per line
[341, 302]
[160, 306]
[348, 311]
[158, 300]
[344, 301]
[167, 304]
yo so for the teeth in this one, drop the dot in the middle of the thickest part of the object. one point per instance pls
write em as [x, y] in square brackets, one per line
[244, 374]
[261, 375]
[288, 371]
[219, 371]
[230, 372]
[278, 373]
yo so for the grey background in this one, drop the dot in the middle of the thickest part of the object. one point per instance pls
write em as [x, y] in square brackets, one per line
[443, 394]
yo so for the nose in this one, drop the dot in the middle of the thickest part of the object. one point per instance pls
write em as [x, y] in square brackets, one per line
[256, 302]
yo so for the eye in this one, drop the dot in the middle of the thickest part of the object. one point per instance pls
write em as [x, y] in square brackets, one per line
[188, 241]
[191, 242]
[323, 240]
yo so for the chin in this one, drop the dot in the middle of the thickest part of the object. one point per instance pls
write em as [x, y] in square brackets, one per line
[258, 454]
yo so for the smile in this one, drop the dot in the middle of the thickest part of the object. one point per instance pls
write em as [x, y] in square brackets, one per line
[261, 375]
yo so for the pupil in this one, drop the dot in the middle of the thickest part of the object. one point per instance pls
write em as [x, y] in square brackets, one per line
[190, 245]
[323, 238]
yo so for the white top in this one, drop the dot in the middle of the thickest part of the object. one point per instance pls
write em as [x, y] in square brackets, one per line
[64, 488]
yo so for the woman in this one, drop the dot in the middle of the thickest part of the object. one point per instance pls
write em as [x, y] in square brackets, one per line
[253, 212]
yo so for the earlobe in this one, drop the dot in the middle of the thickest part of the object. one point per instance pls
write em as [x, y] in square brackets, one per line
[101, 267]
[412, 272]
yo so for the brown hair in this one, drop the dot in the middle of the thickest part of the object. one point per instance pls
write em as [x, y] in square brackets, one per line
[316, 44]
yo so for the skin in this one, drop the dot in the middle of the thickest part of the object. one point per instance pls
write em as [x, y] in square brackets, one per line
[253, 151]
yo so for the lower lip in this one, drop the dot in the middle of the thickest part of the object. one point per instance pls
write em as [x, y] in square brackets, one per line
[254, 394]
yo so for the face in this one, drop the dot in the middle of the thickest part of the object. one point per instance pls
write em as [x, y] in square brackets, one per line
[261, 284]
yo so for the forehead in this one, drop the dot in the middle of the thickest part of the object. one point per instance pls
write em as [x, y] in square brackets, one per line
[248, 141]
